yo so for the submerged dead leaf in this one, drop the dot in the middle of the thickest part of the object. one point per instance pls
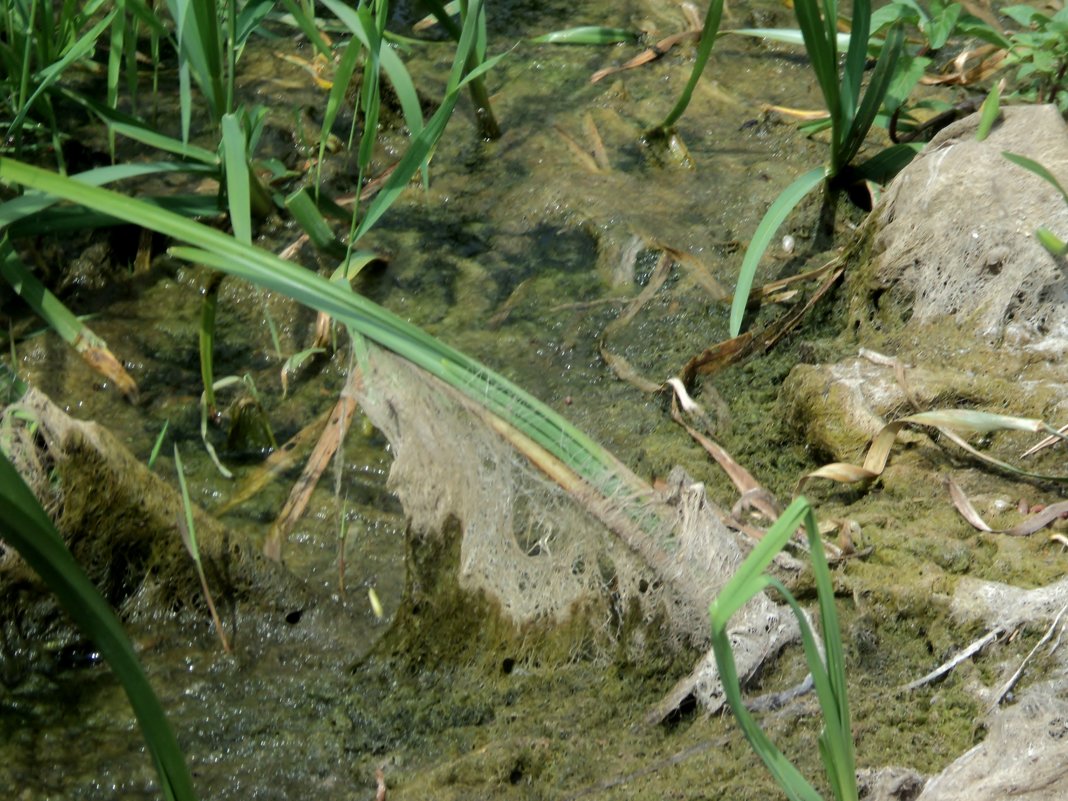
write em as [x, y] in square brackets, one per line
[625, 371]
[330, 440]
[648, 55]
[280, 460]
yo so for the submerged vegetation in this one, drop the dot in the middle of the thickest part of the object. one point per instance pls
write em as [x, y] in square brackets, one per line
[89, 146]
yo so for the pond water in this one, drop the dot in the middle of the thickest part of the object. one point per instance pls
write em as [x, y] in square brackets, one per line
[522, 253]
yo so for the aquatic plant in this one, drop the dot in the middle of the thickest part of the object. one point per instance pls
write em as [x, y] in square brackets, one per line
[827, 669]
[188, 530]
[851, 114]
[1040, 54]
[25, 526]
[40, 41]
[222, 252]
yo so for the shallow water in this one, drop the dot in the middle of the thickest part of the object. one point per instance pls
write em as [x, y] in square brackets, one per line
[521, 255]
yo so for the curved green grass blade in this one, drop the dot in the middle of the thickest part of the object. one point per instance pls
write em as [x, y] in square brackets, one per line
[1033, 166]
[828, 672]
[391, 65]
[216, 249]
[1056, 246]
[704, 50]
[24, 525]
[52, 72]
[776, 214]
[988, 114]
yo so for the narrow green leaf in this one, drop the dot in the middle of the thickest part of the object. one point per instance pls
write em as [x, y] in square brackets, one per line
[822, 52]
[189, 537]
[52, 72]
[704, 50]
[776, 214]
[305, 212]
[163, 142]
[1033, 166]
[881, 78]
[342, 78]
[785, 35]
[235, 167]
[1056, 246]
[158, 445]
[988, 114]
[24, 525]
[589, 35]
[47, 306]
[391, 65]
[216, 249]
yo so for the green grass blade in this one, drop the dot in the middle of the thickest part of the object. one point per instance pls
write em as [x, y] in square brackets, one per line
[190, 540]
[166, 143]
[223, 252]
[75, 218]
[822, 52]
[422, 144]
[836, 742]
[158, 445]
[250, 18]
[391, 65]
[308, 28]
[47, 306]
[305, 212]
[589, 35]
[785, 35]
[197, 23]
[856, 58]
[1056, 246]
[24, 525]
[881, 78]
[235, 168]
[346, 66]
[888, 162]
[988, 114]
[1033, 166]
[116, 53]
[51, 73]
[704, 50]
[776, 214]
[33, 202]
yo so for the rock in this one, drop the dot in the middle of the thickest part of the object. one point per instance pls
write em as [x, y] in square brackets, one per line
[955, 287]
[955, 236]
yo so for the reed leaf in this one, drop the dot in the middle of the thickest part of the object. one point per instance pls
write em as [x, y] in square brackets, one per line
[589, 35]
[828, 671]
[776, 214]
[392, 65]
[235, 168]
[25, 526]
[708, 38]
[215, 249]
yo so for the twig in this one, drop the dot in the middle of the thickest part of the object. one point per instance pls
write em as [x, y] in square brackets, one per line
[967, 653]
[1019, 671]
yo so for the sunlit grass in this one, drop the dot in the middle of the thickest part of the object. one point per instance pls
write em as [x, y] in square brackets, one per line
[827, 669]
